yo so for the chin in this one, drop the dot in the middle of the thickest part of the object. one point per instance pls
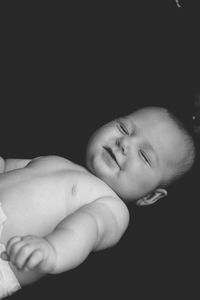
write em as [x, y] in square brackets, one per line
[101, 174]
[97, 172]
[93, 165]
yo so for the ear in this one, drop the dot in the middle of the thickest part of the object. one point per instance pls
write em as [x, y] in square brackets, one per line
[152, 197]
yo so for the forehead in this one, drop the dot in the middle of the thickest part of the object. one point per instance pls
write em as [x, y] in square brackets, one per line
[157, 128]
[151, 115]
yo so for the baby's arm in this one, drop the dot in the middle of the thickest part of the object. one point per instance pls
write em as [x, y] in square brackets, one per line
[95, 226]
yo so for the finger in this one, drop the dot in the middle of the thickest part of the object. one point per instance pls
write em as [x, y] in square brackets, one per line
[14, 250]
[12, 241]
[4, 255]
[35, 259]
[22, 255]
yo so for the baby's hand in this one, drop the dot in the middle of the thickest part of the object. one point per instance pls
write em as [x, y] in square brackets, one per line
[31, 252]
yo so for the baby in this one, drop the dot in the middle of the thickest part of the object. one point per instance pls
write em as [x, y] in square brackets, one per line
[55, 212]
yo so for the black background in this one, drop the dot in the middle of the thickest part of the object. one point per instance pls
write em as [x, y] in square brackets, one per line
[66, 70]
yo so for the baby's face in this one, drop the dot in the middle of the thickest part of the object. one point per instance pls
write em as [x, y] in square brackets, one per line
[135, 153]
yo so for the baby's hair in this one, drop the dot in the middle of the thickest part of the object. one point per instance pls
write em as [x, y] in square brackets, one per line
[185, 166]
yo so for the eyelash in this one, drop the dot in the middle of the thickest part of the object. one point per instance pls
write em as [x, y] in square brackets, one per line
[122, 128]
[145, 157]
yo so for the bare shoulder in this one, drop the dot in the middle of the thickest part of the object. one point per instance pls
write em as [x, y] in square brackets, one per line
[117, 208]
[98, 188]
[51, 162]
[112, 218]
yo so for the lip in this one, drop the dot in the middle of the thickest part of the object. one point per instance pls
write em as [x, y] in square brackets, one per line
[111, 156]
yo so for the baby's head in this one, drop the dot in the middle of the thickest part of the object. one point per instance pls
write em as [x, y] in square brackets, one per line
[139, 155]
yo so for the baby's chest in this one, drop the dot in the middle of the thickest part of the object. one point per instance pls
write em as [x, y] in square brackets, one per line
[36, 193]
[54, 193]
[87, 188]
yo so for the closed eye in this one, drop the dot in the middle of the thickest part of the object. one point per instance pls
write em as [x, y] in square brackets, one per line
[145, 157]
[122, 127]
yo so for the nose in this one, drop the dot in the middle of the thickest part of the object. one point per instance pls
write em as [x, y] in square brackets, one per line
[122, 143]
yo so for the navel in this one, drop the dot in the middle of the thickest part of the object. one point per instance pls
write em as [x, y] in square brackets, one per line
[74, 189]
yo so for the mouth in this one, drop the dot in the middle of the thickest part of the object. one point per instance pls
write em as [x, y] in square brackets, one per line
[111, 154]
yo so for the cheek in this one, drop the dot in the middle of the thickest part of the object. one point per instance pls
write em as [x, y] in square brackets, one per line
[147, 182]
[134, 169]
[93, 144]
[139, 180]
[103, 136]
[97, 137]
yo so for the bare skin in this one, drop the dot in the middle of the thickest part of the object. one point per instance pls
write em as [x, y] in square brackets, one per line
[48, 204]
[58, 212]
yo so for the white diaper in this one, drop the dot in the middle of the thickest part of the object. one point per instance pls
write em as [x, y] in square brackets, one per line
[8, 281]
